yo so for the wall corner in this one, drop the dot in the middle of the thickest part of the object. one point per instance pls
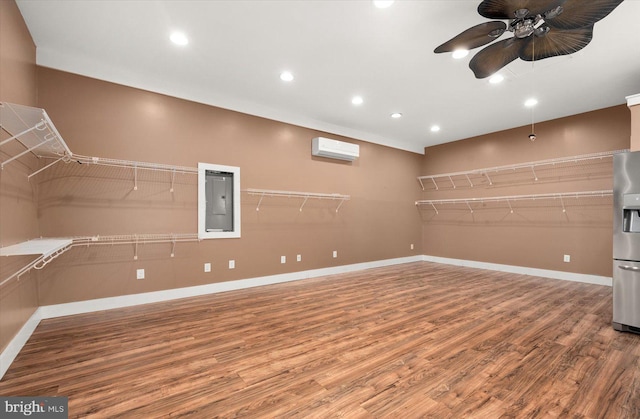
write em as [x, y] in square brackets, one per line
[633, 102]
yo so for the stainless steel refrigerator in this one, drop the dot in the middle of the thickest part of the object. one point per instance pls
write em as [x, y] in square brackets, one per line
[626, 242]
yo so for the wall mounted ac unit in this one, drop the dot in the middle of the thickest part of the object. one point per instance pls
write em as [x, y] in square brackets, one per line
[334, 149]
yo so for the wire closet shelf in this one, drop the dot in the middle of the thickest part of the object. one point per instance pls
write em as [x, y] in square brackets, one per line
[33, 129]
[472, 178]
[49, 249]
[293, 194]
[36, 134]
[561, 197]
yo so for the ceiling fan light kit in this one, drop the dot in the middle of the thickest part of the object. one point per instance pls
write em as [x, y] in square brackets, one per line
[556, 27]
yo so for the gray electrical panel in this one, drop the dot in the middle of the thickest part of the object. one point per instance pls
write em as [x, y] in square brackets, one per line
[219, 197]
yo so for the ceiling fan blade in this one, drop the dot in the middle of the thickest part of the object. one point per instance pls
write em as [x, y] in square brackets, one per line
[474, 37]
[556, 43]
[505, 9]
[492, 58]
[580, 13]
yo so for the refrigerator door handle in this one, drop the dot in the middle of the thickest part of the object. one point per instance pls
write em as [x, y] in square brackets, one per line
[629, 268]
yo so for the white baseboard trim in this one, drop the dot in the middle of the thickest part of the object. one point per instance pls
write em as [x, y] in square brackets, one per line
[88, 306]
[545, 273]
[17, 343]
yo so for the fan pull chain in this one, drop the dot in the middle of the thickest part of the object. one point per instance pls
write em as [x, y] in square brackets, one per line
[532, 136]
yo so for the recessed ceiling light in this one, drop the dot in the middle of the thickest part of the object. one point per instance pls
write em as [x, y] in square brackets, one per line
[396, 115]
[435, 128]
[357, 100]
[530, 103]
[286, 76]
[460, 53]
[382, 4]
[496, 78]
[179, 38]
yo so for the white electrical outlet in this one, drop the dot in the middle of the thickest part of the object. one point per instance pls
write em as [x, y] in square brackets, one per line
[283, 259]
[567, 258]
[411, 246]
[232, 264]
[299, 258]
[207, 267]
[140, 274]
[335, 253]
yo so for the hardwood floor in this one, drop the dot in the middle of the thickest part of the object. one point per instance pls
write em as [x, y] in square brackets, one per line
[413, 340]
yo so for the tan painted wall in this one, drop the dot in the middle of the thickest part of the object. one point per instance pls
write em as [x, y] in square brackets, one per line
[18, 210]
[635, 127]
[532, 237]
[107, 120]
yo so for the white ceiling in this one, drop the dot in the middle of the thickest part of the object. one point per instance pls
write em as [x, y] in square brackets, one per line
[335, 49]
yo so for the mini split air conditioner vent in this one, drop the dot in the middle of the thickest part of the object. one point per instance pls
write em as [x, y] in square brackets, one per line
[334, 149]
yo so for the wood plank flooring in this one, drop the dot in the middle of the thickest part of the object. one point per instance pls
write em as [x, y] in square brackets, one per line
[412, 340]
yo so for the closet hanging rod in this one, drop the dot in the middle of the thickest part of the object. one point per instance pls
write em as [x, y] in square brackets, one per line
[134, 238]
[25, 269]
[47, 249]
[512, 198]
[267, 192]
[131, 164]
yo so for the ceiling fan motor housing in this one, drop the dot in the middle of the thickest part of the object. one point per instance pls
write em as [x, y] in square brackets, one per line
[562, 26]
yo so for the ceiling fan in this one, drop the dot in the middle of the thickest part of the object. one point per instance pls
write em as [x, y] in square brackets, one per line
[541, 29]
